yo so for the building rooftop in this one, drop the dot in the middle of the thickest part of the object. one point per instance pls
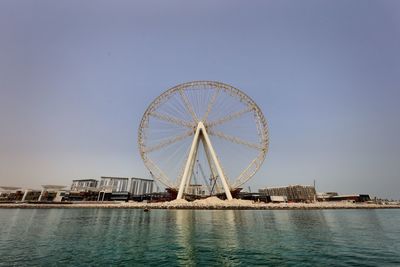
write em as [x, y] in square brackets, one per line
[349, 195]
[110, 177]
[144, 179]
[55, 187]
[84, 180]
[291, 185]
[11, 188]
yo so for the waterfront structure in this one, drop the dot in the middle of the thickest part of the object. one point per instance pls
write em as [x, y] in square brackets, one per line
[113, 184]
[10, 193]
[278, 199]
[350, 198]
[210, 113]
[109, 188]
[293, 193]
[31, 195]
[49, 192]
[113, 188]
[141, 186]
[84, 185]
[8, 189]
[196, 189]
[325, 196]
[83, 190]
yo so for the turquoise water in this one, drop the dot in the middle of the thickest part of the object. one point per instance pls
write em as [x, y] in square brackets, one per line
[128, 237]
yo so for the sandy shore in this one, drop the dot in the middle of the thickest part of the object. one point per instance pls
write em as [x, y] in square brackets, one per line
[209, 203]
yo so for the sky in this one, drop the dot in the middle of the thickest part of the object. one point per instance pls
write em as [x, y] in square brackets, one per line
[77, 76]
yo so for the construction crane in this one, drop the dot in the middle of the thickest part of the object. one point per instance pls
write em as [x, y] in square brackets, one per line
[204, 176]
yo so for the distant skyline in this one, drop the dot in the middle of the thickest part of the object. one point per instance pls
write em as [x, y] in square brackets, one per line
[77, 76]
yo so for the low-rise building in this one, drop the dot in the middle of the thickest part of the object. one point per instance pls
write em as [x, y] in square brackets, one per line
[141, 186]
[278, 199]
[325, 196]
[196, 189]
[293, 193]
[351, 198]
[114, 184]
[84, 185]
[10, 193]
[113, 188]
[333, 196]
[50, 192]
[31, 195]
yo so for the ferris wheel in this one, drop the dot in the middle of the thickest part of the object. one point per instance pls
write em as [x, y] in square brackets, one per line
[203, 137]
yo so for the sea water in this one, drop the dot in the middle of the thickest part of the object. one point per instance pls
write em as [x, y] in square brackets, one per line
[131, 237]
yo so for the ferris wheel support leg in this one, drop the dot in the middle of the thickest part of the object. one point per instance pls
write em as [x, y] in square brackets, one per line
[190, 173]
[213, 172]
[216, 162]
[189, 162]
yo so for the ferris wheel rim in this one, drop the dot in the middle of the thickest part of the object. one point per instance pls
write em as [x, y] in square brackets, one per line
[234, 92]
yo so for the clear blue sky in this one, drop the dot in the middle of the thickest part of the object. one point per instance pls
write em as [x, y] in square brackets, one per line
[76, 77]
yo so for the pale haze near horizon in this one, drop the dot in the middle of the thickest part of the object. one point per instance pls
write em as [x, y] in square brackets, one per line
[77, 76]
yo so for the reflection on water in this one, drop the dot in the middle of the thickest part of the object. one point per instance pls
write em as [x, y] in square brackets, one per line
[82, 237]
[199, 233]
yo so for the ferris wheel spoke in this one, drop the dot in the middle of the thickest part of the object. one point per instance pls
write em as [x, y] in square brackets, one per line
[172, 119]
[210, 105]
[169, 141]
[162, 177]
[229, 117]
[235, 139]
[188, 106]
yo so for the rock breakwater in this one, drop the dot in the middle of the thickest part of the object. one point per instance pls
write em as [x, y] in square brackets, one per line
[208, 203]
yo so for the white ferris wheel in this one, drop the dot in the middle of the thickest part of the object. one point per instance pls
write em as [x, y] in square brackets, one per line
[203, 138]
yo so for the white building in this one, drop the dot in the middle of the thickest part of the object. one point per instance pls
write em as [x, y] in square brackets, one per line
[113, 184]
[49, 192]
[140, 186]
[196, 189]
[84, 185]
[8, 192]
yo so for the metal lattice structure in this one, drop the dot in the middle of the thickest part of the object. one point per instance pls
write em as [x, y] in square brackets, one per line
[228, 123]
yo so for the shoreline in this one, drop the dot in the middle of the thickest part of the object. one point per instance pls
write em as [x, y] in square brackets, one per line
[200, 205]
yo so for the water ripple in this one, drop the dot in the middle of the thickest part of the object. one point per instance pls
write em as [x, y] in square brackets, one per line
[91, 237]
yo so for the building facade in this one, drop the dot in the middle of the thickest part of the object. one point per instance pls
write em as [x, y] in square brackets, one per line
[140, 186]
[10, 193]
[350, 198]
[113, 184]
[293, 193]
[49, 192]
[84, 185]
[325, 196]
